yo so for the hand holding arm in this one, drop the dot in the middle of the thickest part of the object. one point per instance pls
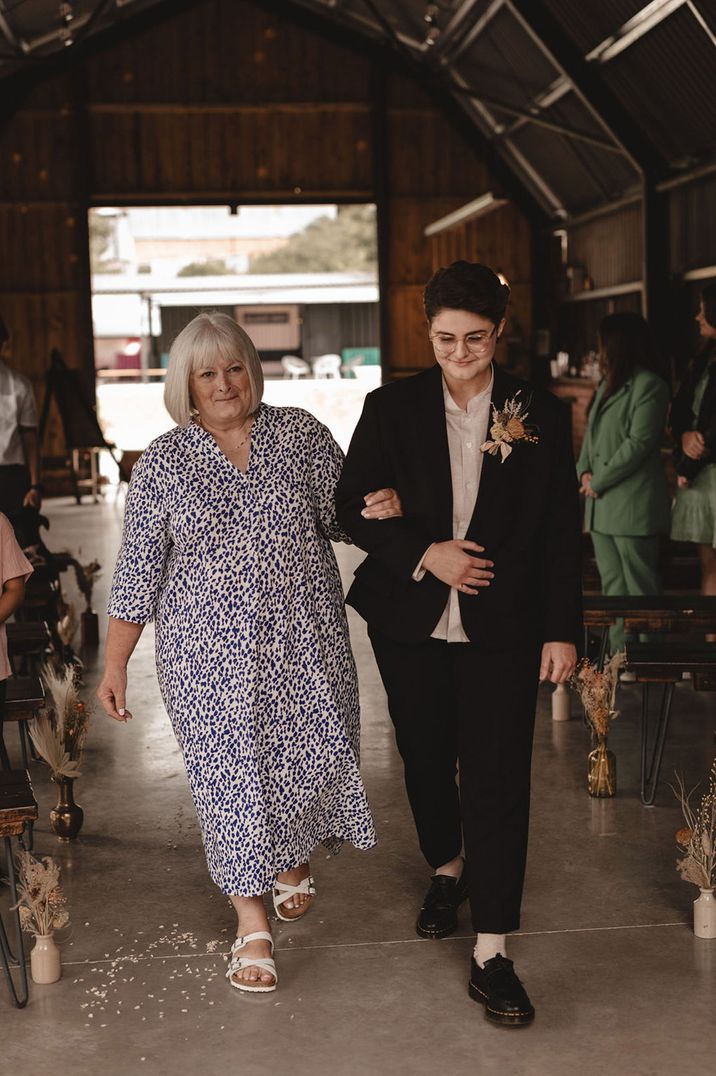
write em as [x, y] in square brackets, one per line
[382, 504]
[398, 543]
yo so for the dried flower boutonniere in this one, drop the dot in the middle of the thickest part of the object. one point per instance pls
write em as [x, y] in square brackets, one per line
[509, 427]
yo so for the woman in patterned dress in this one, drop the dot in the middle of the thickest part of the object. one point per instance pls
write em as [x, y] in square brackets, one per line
[227, 547]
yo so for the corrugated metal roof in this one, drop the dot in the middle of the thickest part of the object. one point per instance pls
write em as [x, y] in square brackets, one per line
[589, 23]
[667, 79]
[656, 63]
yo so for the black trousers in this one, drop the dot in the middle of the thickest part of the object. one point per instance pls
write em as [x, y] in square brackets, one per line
[452, 704]
[14, 484]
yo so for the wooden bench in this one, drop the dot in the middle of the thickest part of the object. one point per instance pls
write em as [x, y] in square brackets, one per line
[18, 809]
[24, 696]
[659, 662]
[27, 643]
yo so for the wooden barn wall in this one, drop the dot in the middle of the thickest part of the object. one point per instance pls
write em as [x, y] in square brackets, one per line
[225, 101]
[44, 270]
[432, 171]
[609, 247]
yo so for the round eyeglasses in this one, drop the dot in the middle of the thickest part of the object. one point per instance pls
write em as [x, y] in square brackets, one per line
[476, 343]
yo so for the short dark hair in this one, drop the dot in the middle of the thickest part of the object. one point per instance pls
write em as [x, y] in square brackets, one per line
[626, 341]
[708, 298]
[4, 332]
[467, 286]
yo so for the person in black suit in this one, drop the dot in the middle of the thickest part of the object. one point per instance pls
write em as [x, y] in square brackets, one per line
[470, 599]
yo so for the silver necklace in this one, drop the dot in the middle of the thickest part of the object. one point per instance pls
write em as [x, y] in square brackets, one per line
[240, 444]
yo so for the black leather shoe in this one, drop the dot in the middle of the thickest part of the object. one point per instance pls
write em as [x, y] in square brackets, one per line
[438, 915]
[497, 987]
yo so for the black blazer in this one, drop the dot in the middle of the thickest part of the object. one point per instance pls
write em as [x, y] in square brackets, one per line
[526, 517]
[682, 415]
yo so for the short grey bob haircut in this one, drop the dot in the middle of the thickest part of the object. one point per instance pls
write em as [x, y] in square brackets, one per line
[208, 338]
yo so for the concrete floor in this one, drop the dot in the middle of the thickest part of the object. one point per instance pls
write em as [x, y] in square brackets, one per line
[620, 983]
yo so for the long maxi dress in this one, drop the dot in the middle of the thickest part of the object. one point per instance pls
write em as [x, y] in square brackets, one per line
[252, 648]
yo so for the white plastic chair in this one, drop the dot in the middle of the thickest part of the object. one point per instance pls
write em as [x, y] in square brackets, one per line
[294, 367]
[327, 366]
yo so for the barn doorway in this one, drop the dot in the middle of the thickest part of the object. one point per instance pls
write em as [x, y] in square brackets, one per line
[301, 279]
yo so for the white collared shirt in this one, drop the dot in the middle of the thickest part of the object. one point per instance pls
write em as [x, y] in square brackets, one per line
[466, 431]
[17, 408]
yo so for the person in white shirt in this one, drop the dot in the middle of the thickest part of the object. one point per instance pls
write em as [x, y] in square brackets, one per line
[19, 440]
[471, 598]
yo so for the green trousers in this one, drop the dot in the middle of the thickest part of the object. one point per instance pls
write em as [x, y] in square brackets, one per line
[627, 565]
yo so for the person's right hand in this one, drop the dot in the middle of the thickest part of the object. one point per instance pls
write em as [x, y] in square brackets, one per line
[682, 482]
[112, 693]
[452, 564]
[693, 444]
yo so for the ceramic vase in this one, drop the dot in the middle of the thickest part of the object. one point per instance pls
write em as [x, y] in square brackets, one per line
[705, 915]
[602, 772]
[561, 703]
[45, 965]
[66, 817]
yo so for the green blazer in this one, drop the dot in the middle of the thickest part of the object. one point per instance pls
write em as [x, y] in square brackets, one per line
[621, 449]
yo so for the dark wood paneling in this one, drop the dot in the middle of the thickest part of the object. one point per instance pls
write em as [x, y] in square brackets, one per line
[410, 347]
[36, 150]
[228, 50]
[40, 247]
[237, 151]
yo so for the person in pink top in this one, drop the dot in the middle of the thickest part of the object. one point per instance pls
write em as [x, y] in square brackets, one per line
[15, 568]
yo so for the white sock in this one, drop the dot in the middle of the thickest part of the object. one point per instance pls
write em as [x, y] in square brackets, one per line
[489, 945]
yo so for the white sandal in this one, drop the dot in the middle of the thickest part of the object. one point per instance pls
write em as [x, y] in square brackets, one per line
[283, 892]
[264, 963]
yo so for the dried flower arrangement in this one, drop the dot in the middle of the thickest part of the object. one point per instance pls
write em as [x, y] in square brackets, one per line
[59, 732]
[41, 902]
[697, 839]
[86, 576]
[597, 691]
[510, 427]
[67, 623]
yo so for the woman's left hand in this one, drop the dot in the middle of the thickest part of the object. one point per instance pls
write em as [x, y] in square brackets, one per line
[382, 504]
[587, 486]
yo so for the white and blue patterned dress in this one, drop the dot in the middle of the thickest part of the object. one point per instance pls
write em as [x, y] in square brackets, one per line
[252, 646]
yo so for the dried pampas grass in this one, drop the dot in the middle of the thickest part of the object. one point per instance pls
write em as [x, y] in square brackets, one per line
[61, 686]
[67, 624]
[59, 733]
[50, 747]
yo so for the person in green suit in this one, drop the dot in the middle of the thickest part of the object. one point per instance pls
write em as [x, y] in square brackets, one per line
[620, 468]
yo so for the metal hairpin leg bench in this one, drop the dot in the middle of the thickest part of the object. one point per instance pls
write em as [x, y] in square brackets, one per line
[661, 662]
[665, 663]
[17, 810]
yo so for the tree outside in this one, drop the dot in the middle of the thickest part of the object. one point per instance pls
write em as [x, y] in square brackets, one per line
[346, 243]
